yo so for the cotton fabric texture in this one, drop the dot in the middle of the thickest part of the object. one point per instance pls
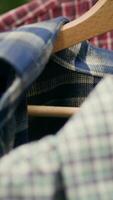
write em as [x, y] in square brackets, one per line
[42, 10]
[67, 80]
[76, 72]
[22, 61]
[75, 164]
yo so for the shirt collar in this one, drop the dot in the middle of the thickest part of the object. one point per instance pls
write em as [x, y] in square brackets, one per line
[86, 58]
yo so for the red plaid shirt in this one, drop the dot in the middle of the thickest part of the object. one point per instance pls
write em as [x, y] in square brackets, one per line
[39, 10]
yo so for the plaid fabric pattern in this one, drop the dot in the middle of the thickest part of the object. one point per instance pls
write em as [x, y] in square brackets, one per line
[76, 72]
[76, 164]
[25, 14]
[30, 42]
[67, 80]
[86, 149]
[36, 11]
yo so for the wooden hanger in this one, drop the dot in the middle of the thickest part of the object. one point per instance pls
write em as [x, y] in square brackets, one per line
[98, 20]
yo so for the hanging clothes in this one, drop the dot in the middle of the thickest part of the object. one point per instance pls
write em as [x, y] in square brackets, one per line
[76, 72]
[74, 164]
[22, 61]
[68, 78]
[36, 11]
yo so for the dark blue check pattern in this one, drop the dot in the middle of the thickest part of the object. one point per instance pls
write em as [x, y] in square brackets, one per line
[77, 162]
[68, 78]
[23, 56]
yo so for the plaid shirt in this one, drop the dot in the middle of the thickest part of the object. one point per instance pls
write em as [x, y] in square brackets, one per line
[76, 164]
[67, 80]
[36, 11]
[30, 41]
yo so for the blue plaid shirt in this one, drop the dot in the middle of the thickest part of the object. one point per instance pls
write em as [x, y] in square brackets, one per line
[76, 72]
[68, 78]
[23, 56]
[76, 163]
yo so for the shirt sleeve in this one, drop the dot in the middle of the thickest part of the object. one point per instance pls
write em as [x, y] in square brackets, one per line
[32, 172]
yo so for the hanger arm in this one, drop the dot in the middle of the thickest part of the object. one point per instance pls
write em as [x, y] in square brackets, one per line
[98, 20]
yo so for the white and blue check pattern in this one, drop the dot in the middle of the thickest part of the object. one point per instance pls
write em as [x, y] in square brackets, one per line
[24, 54]
[75, 164]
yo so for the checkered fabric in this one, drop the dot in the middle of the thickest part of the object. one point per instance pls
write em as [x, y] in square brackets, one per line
[76, 164]
[67, 80]
[30, 42]
[39, 10]
[76, 72]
